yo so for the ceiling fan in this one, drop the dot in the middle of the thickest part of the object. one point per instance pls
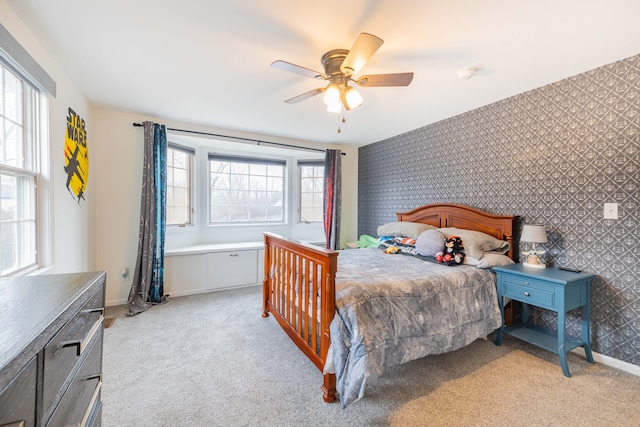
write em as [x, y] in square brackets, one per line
[340, 65]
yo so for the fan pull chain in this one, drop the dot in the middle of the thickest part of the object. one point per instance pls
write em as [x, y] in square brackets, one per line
[343, 121]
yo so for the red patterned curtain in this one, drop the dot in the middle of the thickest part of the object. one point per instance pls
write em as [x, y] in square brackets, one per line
[332, 198]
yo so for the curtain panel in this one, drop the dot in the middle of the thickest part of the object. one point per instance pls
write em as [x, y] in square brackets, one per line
[332, 200]
[148, 279]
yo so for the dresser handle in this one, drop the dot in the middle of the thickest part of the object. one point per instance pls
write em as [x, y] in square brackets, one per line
[96, 392]
[526, 283]
[526, 294]
[233, 254]
[82, 344]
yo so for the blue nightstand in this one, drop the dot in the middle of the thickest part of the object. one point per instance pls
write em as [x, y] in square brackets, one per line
[551, 289]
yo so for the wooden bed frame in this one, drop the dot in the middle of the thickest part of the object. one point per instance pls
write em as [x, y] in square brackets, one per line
[299, 278]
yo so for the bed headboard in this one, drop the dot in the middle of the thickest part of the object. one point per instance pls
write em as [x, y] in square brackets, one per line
[459, 216]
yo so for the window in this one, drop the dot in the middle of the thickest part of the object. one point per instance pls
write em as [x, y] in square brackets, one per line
[179, 161]
[246, 190]
[311, 175]
[19, 138]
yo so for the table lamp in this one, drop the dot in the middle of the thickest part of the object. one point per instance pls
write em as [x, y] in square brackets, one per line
[534, 234]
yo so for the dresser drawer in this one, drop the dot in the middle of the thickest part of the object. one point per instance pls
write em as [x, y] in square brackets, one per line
[81, 402]
[529, 291]
[18, 401]
[68, 347]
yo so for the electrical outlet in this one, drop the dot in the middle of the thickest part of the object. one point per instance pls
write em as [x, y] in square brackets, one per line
[610, 211]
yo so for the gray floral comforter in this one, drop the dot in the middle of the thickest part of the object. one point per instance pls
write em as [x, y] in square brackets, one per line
[391, 309]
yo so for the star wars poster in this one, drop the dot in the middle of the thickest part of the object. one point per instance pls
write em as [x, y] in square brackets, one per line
[76, 156]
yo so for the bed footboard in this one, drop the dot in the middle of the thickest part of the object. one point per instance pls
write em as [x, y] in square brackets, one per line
[299, 290]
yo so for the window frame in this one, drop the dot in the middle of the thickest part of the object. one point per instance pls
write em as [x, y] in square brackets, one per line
[300, 165]
[191, 172]
[247, 159]
[31, 124]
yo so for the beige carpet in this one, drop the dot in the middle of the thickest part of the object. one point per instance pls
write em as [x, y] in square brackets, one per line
[212, 360]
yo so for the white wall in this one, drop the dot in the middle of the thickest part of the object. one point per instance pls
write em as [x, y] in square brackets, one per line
[118, 167]
[72, 223]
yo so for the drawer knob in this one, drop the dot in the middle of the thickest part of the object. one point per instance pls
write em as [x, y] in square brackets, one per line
[233, 254]
[527, 294]
[526, 283]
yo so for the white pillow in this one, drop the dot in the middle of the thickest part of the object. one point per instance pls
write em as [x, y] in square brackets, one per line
[489, 260]
[476, 243]
[403, 229]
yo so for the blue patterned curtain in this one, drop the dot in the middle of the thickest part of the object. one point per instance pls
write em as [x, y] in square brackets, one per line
[148, 279]
[332, 199]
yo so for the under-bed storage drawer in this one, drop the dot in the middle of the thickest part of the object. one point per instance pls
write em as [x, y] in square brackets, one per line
[18, 401]
[69, 346]
[82, 398]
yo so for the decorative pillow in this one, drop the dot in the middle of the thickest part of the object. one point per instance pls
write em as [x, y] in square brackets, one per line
[476, 243]
[430, 242]
[489, 260]
[469, 260]
[403, 229]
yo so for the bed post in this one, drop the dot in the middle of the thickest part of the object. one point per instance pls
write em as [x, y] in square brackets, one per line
[328, 305]
[265, 282]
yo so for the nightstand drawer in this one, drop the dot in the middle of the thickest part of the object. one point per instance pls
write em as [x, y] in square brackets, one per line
[530, 292]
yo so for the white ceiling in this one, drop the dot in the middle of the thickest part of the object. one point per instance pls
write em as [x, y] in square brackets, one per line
[208, 62]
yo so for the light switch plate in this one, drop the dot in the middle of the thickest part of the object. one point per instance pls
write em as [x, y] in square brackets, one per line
[610, 211]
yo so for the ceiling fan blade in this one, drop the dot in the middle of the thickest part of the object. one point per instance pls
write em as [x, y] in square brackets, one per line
[365, 46]
[397, 79]
[287, 66]
[305, 95]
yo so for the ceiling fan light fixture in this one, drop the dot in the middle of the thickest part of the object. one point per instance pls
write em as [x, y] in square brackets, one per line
[352, 98]
[331, 95]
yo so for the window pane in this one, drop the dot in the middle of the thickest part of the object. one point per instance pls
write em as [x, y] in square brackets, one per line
[274, 170]
[180, 177]
[27, 233]
[180, 159]
[258, 183]
[220, 198]
[241, 168]
[311, 192]
[258, 169]
[13, 145]
[8, 247]
[252, 187]
[13, 98]
[178, 187]
[9, 199]
[220, 214]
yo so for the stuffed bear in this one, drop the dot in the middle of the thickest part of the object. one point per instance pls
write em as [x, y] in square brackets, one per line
[453, 252]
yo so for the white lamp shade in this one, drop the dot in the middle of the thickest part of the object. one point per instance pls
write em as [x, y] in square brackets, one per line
[332, 98]
[533, 234]
[352, 97]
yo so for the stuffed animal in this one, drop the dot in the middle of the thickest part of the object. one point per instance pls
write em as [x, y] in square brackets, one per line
[453, 252]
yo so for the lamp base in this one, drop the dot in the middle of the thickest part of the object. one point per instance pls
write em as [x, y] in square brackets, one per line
[526, 264]
[534, 261]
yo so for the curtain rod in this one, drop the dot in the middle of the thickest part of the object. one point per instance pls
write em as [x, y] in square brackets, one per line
[257, 141]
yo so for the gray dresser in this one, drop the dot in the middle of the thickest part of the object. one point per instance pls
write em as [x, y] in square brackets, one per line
[51, 334]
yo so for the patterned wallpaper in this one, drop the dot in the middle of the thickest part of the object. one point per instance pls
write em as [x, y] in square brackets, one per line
[554, 156]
